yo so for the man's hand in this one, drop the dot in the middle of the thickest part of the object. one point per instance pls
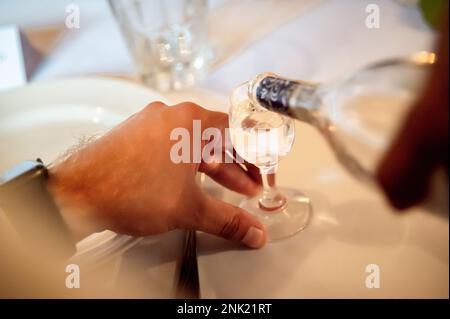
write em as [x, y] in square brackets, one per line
[125, 181]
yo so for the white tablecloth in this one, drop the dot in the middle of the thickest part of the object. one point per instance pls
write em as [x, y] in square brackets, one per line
[352, 227]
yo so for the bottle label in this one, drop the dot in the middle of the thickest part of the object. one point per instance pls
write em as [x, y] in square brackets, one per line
[275, 93]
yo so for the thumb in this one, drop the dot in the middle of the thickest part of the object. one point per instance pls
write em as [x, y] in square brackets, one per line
[230, 222]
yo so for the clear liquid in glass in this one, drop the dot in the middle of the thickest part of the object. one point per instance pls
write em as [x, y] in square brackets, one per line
[262, 137]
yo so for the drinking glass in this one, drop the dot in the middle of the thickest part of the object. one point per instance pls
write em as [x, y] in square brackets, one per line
[261, 137]
[168, 40]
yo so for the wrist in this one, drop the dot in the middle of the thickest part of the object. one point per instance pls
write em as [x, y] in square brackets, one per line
[78, 214]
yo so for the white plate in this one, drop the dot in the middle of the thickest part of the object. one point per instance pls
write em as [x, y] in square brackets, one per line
[45, 119]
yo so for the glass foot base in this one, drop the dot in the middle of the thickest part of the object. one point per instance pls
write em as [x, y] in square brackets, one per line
[293, 217]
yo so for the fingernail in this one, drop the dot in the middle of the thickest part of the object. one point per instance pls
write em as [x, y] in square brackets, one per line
[254, 237]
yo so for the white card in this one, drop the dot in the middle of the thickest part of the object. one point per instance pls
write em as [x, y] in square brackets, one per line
[12, 65]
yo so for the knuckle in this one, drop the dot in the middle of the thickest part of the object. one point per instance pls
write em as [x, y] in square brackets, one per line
[220, 116]
[153, 105]
[190, 109]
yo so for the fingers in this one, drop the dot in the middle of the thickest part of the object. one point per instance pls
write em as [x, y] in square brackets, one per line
[254, 173]
[251, 169]
[190, 111]
[244, 178]
[217, 119]
[230, 222]
[232, 176]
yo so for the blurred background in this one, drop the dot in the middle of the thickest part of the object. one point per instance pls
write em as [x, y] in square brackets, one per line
[308, 39]
[74, 68]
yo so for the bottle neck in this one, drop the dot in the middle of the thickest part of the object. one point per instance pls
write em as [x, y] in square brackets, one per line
[296, 99]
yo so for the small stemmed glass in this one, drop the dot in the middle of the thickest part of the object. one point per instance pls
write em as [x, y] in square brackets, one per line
[261, 137]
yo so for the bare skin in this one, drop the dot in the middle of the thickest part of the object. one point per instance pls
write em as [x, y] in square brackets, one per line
[125, 181]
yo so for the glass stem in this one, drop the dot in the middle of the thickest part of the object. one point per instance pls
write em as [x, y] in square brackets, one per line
[271, 198]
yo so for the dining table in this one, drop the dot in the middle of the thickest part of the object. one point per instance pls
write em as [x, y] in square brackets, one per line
[353, 230]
